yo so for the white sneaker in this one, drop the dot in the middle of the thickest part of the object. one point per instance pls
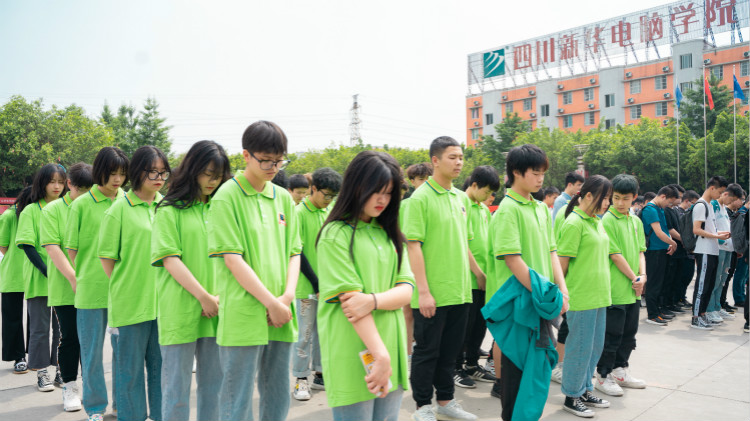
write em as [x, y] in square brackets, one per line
[623, 378]
[453, 411]
[607, 385]
[301, 390]
[725, 315]
[713, 317]
[425, 413]
[71, 401]
[557, 373]
[490, 366]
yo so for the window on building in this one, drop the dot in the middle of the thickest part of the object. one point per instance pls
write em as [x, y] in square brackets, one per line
[660, 82]
[475, 113]
[686, 86]
[609, 123]
[545, 110]
[635, 87]
[474, 134]
[744, 68]
[747, 96]
[635, 112]
[590, 118]
[661, 108]
[609, 100]
[488, 119]
[567, 97]
[588, 94]
[509, 107]
[527, 104]
[686, 61]
[718, 72]
[567, 121]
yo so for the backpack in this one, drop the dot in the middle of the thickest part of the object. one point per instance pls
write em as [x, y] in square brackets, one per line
[689, 239]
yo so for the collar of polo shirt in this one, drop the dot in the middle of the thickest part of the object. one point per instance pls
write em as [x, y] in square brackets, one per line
[269, 190]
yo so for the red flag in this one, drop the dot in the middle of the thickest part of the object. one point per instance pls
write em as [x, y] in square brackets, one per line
[707, 89]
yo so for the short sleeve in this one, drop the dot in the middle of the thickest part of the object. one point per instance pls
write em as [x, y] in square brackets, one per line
[550, 230]
[506, 235]
[26, 233]
[110, 235]
[469, 225]
[5, 228]
[650, 215]
[405, 275]
[165, 235]
[570, 240]
[609, 224]
[700, 214]
[337, 274]
[72, 228]
[49, 233]
[640, 235]
[223, 230]
[415, 220]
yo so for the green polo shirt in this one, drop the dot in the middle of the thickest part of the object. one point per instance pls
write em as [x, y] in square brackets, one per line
[82, 235]
[54, 222]
[374, 269]
[12, 264]
[626, 237]
[309, 219]
[585, 241]
[182, 233]
[438, 219]
[558, 224]
[402, 213]
[125, 237]
[262, 227]
[520, 226]
[479, 218]
[28, 234]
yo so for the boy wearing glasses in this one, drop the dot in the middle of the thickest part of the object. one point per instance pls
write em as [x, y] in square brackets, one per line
[253, 227]
[311, 214]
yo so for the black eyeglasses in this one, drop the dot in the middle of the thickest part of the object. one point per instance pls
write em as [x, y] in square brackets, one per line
[267, 164]
[329, 196]
[155, 174]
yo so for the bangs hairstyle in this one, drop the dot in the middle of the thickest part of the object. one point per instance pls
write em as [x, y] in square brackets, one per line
[184, 189]
[717, 181]
[735, 190]
[599, 187]
[669, 192]
[551, 190]
[573, 177]
[625, 184]
[691, 195]
[485, 175]
[143, 161]
[264, 137]
[419, 170]
[298, 181]
[440, 144]
[525, 157]
[280, 179]
[43, 177]
[108, 160]
[80, 175]
[368, 173]
[327, 178]
[22, 200]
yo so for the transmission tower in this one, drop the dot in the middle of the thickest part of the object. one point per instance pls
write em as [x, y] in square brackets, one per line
[356, 123]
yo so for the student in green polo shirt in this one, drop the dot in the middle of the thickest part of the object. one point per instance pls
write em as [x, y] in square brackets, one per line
[125, 254]
[61, 279]
[627, 269]
[584, 257]
[438, 232]
[11, 287]
[253, 227]
[311, 214]
[92, 285]
[186, 291]
[365, 280]
[48, 185]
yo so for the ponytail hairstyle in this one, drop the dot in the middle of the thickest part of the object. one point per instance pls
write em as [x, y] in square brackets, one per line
[183, 187]
[23, 199]
[368, 173]
[599, 187]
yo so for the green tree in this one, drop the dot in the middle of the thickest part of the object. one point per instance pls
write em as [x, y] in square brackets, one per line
[691, 108]
[507, 132]
[131, 130]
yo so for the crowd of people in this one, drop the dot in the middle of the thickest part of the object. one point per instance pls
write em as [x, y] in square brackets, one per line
[364, 284]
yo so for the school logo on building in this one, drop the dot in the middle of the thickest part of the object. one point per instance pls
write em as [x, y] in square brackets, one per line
[282, 220]
[494, 63]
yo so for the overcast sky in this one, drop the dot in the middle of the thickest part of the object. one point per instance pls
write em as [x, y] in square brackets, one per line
[217, 66]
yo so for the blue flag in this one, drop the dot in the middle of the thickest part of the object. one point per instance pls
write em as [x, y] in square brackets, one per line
[738, 90]
[677, 95]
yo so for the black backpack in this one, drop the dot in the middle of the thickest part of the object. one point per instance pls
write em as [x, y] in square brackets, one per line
[689, 239]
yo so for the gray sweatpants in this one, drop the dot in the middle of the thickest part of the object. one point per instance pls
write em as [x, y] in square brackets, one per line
[41, 354]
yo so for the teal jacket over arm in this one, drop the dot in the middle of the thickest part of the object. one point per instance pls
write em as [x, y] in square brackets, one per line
[519, 321]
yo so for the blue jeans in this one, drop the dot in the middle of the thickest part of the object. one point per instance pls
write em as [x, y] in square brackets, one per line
[740, 279]
[583, 347]
[385, 409]
[177, 374]
[725, 260]
[241, 365]
[137, 346]
[308, 345]
[92, 327]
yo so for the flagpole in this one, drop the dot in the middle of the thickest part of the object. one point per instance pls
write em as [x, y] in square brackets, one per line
[734, 114]
[678, 145]
[705, 136]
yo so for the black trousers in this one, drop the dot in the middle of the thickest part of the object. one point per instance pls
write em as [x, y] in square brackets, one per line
[670, 293]
[687, 271]
[730, 276]
[69, 350]
[511, 382]
[11, 305]
[439, 340]
[656, 271]
[619, 337]
[706, 265]
[476, 327]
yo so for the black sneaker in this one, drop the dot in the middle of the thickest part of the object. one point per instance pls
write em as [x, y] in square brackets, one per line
[576, 407]
[42, 381]
[497, 389]
[58, 379]
[667, 317]
[480, 374]
[677, 309]
[318, 383]
[590, 399]
[657, 321]
[461, 379]
[20, 366]
[729, 309]
[685, 303]
[746, 328]
[665, 311]
[483, 353]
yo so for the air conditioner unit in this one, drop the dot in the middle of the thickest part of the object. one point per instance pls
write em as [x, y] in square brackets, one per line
[532, 115]
[560, 110]
[476, 102]
[505, 97]
[532, 92]
[476, 123]
[591, 106]
[747, 83]
[747, 112]
[629, 74]
[631, 100]
[560, 86]
[665, 121]
[707, 61]
[746, 54]
[667, 95]
[665, 69]
[592, 80]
